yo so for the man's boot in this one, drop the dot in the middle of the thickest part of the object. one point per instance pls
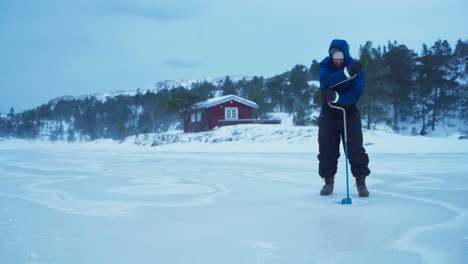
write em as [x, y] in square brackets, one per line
[361, 186]
[327, 189]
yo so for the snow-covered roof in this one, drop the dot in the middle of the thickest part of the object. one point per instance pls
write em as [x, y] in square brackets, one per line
[226, 98]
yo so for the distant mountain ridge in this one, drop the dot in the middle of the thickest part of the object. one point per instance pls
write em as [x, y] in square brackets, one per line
[156, 88]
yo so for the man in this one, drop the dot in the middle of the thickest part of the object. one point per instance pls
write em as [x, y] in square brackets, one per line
[337, 67]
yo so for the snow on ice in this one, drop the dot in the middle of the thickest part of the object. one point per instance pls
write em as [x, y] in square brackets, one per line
[241, 194]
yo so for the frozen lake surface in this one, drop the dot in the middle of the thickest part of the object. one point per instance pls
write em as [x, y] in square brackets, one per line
[71, 203]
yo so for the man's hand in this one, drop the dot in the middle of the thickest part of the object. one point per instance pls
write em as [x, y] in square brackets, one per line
[354, 68]
[329, 94]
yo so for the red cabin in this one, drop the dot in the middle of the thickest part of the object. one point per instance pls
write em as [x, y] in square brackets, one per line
[221, 111]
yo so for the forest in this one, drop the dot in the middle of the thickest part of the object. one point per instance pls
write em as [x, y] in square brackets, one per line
[426, 88]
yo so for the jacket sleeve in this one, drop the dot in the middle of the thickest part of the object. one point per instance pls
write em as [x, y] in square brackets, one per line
[352, 95]
[328, 78]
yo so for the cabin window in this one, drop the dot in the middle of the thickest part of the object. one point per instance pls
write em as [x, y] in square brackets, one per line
[231, 113]
[195, 117]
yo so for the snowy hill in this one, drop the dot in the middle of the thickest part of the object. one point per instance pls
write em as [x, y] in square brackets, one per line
[159, 86]
[171, 84]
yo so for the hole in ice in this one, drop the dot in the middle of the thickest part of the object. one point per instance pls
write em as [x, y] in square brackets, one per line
[355, 202]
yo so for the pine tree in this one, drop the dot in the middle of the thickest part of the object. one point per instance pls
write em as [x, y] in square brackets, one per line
[27, 125]
[204, 89]
[423, 92]
[436, 91]
[88, 121]
[3, 126]
[11, 114]
[229, 87]
[147, 119]
[255, 90]
[276, 89]
[461, 60]
[376, 94]
[444, 75]
[301, 95]
[401, 62]
[183, 102]
[314, 70]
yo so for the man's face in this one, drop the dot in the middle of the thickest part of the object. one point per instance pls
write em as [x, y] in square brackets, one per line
[337, 59]
[338, 63]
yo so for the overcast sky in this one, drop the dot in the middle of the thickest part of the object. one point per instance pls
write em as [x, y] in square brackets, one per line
[51, 48]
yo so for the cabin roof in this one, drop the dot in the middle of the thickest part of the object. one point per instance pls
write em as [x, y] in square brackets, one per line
[223, 99]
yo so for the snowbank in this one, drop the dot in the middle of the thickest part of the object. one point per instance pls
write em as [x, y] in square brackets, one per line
[264, 138]
[261, 138]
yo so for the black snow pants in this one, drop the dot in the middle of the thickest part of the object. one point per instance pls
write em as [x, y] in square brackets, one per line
[331, 132]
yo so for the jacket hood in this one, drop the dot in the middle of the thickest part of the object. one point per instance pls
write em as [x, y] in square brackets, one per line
[343, 46]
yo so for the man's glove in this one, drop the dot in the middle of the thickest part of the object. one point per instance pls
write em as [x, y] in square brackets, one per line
[354, 68]
[329, 94]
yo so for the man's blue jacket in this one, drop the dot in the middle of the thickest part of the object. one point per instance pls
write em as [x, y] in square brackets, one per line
[349, 92]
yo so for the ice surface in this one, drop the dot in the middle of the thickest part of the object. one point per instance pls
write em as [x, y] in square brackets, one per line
[112, 203]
